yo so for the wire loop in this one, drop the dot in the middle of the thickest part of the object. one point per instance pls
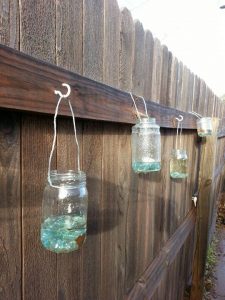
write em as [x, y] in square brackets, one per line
[138, 113]
[63, 96]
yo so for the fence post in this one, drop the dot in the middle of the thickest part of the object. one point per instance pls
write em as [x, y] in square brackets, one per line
[207, 163]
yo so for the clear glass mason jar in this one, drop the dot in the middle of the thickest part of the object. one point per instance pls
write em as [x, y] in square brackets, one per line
[178, 163]
[204, 126]
[64, 212]
[146, 146]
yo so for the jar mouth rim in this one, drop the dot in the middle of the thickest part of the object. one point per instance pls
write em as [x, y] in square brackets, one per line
[179, 151]
[68, 174]
[204, 119]
[146, 120]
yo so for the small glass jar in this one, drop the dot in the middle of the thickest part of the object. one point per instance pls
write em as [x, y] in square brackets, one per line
[204, 127]
[146, 146]
[178, 163]
[64, 212]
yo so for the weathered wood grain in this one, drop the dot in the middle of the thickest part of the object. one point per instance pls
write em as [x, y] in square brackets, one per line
[111, 42]
[150, 279]
[172, 79]
[37, 29]
[139, 56]
[69, 47]
[207, 163]
[141, 209]
[165, 73]
[9, 23]
[126, 50]
[127, 180]
[69, 35]
[109, 202]
[69, 266]
[157, 70]
[92, 165]
[38, 263]
[10, 211]
[93, 39]
[91, 100]
[148, 63]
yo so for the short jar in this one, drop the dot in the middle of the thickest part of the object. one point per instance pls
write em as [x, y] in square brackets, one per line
[64, 211]
[204, 126]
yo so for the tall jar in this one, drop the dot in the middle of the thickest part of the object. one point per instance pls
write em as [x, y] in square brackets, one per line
[146, 146]
[204, 127]
[178, 163]
[64, 212]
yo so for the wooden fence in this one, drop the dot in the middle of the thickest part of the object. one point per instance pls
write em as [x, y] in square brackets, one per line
[141, 228]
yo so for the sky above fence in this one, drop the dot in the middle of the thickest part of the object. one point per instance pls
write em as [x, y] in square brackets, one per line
[193, 30]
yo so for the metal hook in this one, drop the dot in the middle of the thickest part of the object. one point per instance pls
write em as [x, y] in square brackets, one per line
[68, 91]
[181, 118]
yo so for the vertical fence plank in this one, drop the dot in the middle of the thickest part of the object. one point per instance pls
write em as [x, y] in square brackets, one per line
[110, 202]
[125, 174]
[205, 185]
[92, 165]
[36, 18]
[38, 263]
[69, 266]
[196, 93]
[93, 50]
[142, 208]
[157, 70]
[93, 39]
[10, 210]
[168, 141]
[9, 23]
[172, 79]
[111, 43]
[139, 56]
[69, 35]
[126, 50]
[69, 52]
[148, 62]
[128, 195]
[165, 74]
[202, 107]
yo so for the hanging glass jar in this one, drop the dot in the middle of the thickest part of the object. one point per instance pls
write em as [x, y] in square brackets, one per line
[179, 159]
[204, 126]
[146, 143]
[178, 163]
[64, 212]
[65, 202]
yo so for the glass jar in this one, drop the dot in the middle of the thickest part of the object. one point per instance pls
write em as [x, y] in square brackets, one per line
[64, 212]
[178, 163]
[204, 127]
[146, 146]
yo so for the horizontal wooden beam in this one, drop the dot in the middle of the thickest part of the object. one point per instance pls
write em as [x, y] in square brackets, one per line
[150, 280]
[28, 84]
